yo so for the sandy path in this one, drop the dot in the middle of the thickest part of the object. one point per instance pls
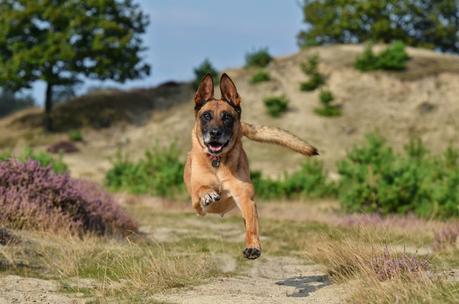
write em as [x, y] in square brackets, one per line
[269, 280]
[16, 289]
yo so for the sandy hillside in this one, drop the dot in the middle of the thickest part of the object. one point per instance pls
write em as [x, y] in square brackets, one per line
[422, 101]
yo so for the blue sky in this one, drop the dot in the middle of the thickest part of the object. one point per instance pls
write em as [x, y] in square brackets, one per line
[182, 33]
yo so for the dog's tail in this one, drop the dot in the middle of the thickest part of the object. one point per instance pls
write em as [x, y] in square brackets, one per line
[279, 137]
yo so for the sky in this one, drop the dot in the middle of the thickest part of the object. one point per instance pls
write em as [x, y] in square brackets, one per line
[182, 33]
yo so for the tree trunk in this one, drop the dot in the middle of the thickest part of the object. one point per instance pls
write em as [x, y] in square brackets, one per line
[48, 121]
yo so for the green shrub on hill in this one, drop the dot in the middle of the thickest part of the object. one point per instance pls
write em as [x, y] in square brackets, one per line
[310, 181]
[202, 70]
[260, 76]
[258, 58]
[43, 158]
[311, 69]
[276, 105]
[376, 179]
[158, 173]
[327, 109]
[75, 135]
[393, 58]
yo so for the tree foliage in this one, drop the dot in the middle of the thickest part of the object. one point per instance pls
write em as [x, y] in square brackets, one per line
[423, 23]
[61, 41]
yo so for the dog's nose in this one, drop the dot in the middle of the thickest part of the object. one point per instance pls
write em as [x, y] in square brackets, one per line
[215, 132]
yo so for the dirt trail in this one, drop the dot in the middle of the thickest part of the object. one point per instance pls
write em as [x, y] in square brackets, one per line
[268, 280]
[16, 289]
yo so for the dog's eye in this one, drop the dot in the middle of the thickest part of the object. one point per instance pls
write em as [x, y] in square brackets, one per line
[206, 116]
[227, 117]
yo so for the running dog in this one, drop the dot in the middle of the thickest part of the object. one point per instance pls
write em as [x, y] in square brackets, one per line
[216, 174]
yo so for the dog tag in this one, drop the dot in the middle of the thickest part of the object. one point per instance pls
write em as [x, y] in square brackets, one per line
[216, 162]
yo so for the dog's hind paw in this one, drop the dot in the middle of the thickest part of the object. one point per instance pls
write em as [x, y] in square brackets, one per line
[251, 253]
[209, 198]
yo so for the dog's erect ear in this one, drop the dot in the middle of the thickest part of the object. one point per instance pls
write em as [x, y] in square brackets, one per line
[228, 90]
[205, 91]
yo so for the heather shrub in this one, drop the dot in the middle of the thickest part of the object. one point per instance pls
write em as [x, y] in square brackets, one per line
[311, 69]
[260, 76]
[36, 197]
[309, 181]
[202, 70]
[327, 108]
[374, 178]
[276, 105]
[158, 173]
[258, 58]
[393, 58]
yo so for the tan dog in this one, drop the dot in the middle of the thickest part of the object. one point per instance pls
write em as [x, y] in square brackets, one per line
[217, 172]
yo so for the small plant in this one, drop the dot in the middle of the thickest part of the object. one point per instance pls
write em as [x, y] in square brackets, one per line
[158, 173]
[393, 58]
[260, 76]
[309, 181]
[376, 179]
[43, 158]
[258, 58]
[276, 105]
[328, 109]
[311, 70]
[75, 135]
[200, 71]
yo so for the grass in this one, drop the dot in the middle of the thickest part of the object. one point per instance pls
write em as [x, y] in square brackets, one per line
[327, 108]
[134, 269]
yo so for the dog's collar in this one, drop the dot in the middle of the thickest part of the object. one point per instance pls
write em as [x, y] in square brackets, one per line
[215, 160]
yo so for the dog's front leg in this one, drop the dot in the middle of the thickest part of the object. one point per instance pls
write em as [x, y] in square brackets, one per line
[252, 236]
[243, 195]
[202, 197]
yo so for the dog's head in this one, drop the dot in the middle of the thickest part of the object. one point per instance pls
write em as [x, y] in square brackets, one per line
[217, 120]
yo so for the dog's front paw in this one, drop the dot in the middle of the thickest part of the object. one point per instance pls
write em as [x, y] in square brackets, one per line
[251, 253]
[209, 198]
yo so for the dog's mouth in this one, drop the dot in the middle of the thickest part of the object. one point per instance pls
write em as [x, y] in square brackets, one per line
[216, 147]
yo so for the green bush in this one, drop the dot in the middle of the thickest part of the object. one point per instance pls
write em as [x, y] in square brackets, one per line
[75, 135]
[376, 179]
[393, 58]
[43, 158]
[276, 105]
[309, 181]
[260, 76]
[258, 58]
[311, 70]
[327, 109]
[200, 71]
[158, 173]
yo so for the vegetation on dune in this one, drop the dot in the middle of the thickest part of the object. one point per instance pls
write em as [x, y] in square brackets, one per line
[311, 69]
[202, 70]
[44, 159]
[258, 58]
[97, 40]
[429, 24]
[393, 58]
[327, 109]
[75, 135]
[36, 197]
[276, 105]
[310, 181]
[159, 173]
[260, 76]
[374, 178]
